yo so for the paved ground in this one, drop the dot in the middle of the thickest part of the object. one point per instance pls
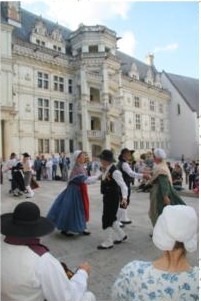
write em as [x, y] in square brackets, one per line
[106, 264]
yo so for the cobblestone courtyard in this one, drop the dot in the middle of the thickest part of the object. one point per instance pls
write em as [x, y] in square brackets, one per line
[106, 264]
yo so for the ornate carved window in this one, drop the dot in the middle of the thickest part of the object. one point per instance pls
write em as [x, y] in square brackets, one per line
[59, 111]
[161, 125]
[59, 145]
[70, 113]
[56, 35]
[134, 72]
[152, 105]
[40, 28]
[43, 80]
[43, 146]
[137, 102]
[153, 124]
[93, 48]
[58, 83]
[160, 108]
[43, 109]
[137, 121]
[70, 86]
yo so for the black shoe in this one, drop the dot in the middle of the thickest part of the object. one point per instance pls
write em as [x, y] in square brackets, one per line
[15, 194]
[126, 222]
[86, 232]
[100, 247]
[69, 234]
[117, 242]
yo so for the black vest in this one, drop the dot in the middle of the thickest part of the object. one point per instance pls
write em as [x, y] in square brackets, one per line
[126, 177]
[109, 185]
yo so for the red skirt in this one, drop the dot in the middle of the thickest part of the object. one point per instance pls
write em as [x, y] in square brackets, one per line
[85, 199]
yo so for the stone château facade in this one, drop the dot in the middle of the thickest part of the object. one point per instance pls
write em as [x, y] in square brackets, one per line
[63, 90]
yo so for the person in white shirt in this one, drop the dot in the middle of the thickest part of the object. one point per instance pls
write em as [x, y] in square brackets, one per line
[28, 271]
[7, 168]
[111, 182]
[128, 174]
[27, 169]
[49, 165]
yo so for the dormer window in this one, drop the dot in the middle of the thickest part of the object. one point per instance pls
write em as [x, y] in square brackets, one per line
[40, 28]
[56, 35]
[134, 72]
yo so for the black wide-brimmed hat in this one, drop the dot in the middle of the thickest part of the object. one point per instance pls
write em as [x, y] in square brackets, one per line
[26, 155]
[107, 155]
[25, 221]
[126, 150]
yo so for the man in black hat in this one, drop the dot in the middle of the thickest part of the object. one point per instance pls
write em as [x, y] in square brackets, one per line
[29, 271]
[111, 182]
[128, 174]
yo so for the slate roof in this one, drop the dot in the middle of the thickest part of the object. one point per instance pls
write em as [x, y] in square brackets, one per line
[188, 88]
[127, 62]
[29, 20]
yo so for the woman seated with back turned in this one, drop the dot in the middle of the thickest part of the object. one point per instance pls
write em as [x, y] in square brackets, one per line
[170, 277]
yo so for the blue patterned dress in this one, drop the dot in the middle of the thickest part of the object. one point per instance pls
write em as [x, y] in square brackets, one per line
[67, 211]
[140, 281]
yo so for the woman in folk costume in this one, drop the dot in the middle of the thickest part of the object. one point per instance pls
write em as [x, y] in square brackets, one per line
[170, 276]
[162, 192]
[70, 210]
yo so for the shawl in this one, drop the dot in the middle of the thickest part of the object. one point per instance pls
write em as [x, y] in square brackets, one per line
[78, 169]
[161, 169]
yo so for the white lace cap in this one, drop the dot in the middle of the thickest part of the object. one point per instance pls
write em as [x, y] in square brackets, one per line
[176, 223]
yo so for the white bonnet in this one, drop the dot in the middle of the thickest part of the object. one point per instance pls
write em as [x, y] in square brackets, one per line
[76, 154]
[74, 158]
[159, 153]
[176, 223]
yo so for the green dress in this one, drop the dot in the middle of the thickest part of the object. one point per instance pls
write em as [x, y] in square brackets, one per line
[161, 188]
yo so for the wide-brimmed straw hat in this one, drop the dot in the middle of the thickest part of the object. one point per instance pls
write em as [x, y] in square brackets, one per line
[25, 221]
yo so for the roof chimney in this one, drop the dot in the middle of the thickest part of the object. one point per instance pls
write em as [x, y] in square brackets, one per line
[12, 11]
[150, 59]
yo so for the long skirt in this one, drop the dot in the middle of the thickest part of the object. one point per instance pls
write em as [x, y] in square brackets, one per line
[67, 212]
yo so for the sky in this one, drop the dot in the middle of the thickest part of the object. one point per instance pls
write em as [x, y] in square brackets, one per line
[169, 30]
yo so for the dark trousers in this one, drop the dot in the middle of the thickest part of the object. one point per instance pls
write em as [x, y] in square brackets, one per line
[191, 181]
[38, 174]
[110, 207]
[54, 171]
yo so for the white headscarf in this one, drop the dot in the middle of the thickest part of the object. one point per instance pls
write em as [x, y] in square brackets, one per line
[160, 153]
[176, 223]
[75, 156]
